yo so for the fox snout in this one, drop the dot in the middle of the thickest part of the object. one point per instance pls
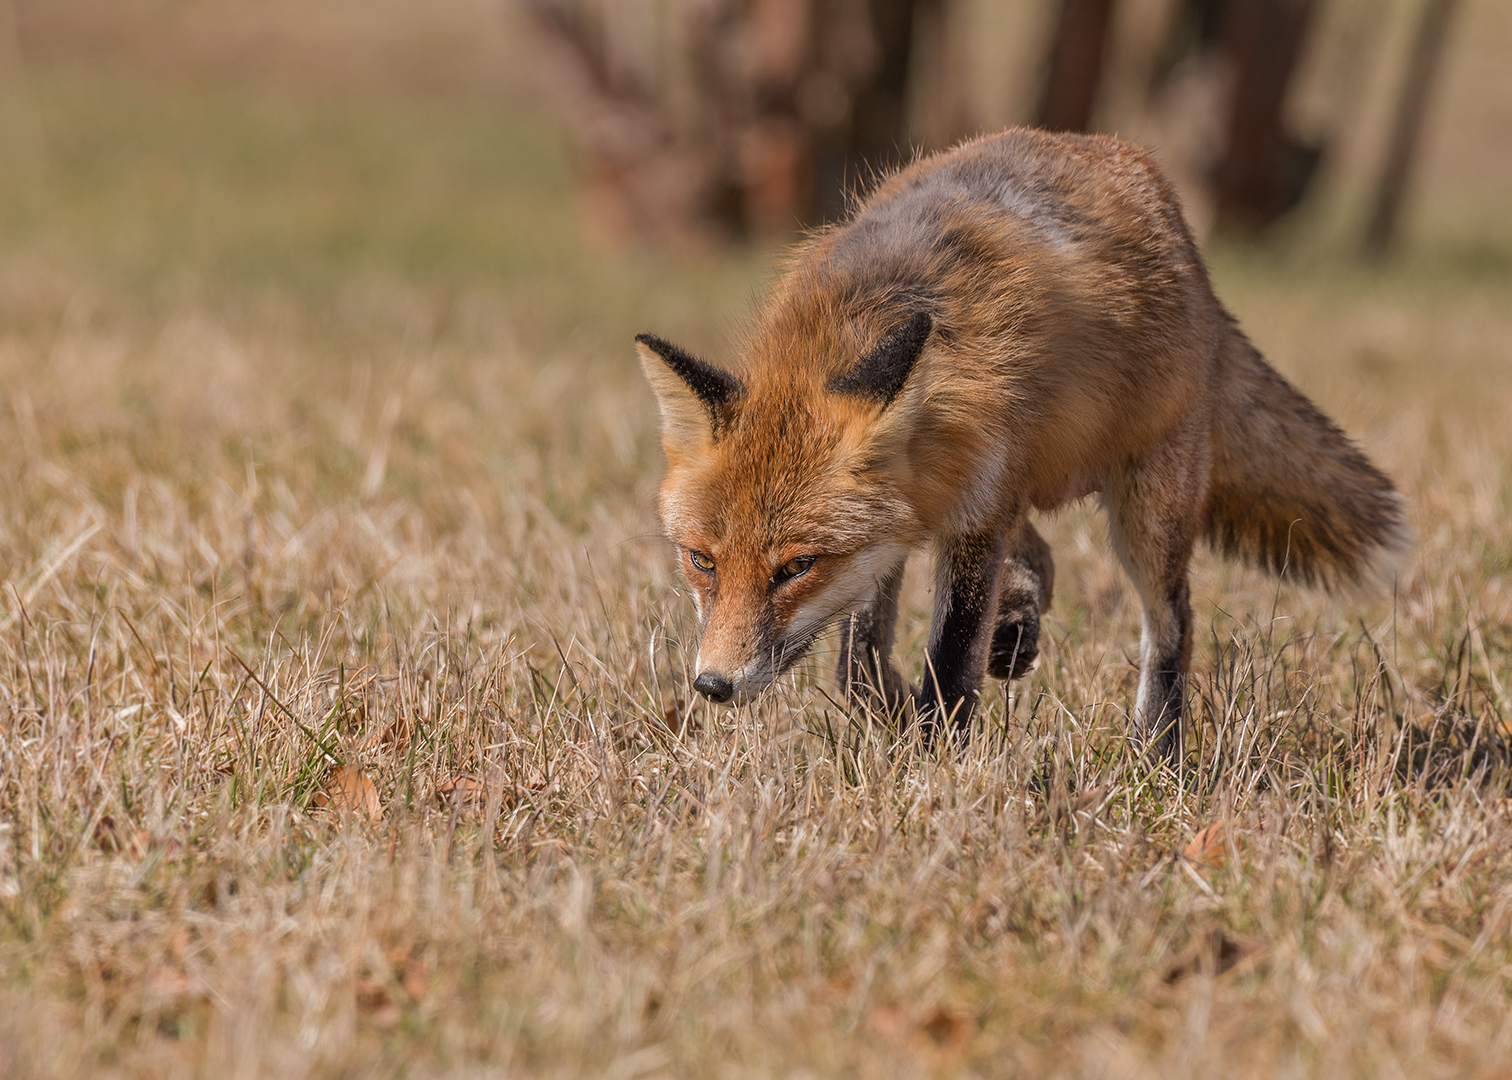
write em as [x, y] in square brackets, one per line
[732, 680]
[714, 686]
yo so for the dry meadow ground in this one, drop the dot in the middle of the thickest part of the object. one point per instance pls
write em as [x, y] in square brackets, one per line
[344, 721]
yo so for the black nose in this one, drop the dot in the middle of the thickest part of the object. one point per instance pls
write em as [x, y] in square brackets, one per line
[714, 687]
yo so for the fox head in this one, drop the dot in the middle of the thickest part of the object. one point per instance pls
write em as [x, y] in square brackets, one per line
[786, 488]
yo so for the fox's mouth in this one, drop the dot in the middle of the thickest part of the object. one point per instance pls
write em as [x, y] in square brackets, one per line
[748, 684]
[745, 687]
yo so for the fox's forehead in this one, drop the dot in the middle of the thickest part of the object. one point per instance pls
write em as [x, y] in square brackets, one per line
[793, 483]
[800, 347]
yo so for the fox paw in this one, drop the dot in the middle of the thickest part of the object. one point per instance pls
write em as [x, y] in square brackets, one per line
[934, 717]
[1015, 644]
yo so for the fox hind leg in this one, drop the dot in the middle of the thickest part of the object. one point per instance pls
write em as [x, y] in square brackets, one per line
[865, 670]
[1024, 591]
[1155, 508]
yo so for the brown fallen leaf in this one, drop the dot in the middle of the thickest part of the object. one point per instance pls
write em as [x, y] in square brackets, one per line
[385, 992]
[348, 790]
[837, 986]
[462, 790]
[130, 843]
[1207, 846]
[394, 735]
[679, 719]
[373, 998]
[946, 1030]
[106, 836]
[412, 972]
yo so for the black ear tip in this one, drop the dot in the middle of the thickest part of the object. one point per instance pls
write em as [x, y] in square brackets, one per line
[665, 349]
[715, 387]
[881, 373]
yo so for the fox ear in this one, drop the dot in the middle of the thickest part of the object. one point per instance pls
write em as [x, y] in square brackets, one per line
[694, 396]
[882, 372]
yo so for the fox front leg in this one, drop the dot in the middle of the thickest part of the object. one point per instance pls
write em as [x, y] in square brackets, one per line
[966, 598]
[865, 670]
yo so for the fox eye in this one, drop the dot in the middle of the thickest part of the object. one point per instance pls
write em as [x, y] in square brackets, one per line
[700, 560]
[792, 568]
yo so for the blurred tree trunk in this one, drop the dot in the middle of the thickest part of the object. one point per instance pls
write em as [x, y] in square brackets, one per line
[1075, 67]
[770, 111]
[1264, 171]
[874, 136]
[1422, 68]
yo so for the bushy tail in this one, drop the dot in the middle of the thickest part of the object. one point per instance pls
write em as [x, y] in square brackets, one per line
[1289, 490]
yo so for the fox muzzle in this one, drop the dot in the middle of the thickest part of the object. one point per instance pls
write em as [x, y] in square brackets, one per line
[714, 686]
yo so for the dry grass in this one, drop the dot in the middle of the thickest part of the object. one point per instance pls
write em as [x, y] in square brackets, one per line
[396, 522]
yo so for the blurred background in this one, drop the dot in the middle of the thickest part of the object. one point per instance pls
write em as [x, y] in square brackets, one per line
[401, 239]
[742, 117]
[691, 125]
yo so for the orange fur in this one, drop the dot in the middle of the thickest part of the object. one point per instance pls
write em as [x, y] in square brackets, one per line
[1013, 324]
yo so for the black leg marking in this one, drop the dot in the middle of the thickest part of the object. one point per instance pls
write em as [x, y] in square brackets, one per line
[865, 670]
[1163, 701]
[966, 581]
[1015, 644]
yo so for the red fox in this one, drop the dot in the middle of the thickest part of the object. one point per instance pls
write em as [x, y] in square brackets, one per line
[1016, 323]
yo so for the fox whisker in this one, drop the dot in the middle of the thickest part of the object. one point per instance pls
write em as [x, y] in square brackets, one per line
[797, 645]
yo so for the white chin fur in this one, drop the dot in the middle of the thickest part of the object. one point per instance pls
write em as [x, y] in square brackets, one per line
[751, 685]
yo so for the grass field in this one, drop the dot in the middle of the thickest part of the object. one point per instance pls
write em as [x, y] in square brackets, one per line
[344, 718]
